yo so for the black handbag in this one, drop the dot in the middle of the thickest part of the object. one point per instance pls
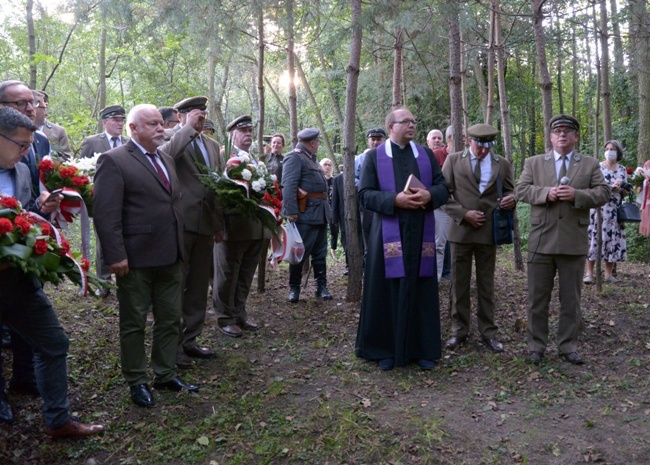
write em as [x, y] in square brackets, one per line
[504, 221]
[628, 212]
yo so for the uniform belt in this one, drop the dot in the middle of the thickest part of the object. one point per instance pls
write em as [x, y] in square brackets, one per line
[317, 195]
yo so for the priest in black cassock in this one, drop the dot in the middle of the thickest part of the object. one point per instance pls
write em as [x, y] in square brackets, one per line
[400, 316]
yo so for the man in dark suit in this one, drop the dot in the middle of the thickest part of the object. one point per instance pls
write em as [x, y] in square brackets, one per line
[474, 177]
[56, 134]
[301, 170]
[17, 95]
[112, 118]
[194, 154]
[561, 186]
[139, 221]
[237, 256]
[23, 304]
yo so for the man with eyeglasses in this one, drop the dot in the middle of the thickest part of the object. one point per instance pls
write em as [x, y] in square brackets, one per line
[561, 186]
[16, 94]
[171, 121]
[479, 182]
[56, 134]
[112, 117]
[400, 315]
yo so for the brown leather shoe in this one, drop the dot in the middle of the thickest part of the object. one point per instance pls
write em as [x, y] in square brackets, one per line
[249, 325]
[183, 361]
[200, 352]
[493, 344]
[74, 429]
[455, 342]
[231, 330]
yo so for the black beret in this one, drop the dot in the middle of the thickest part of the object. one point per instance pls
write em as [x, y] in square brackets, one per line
[241, 122]
[308, 134]
[564, 120]
[111, 110]
[190, 103]
[376, 132]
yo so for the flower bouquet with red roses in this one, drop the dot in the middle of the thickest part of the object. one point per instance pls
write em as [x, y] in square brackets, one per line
[31, 243]
[248, 190]
[75, 184]
[638, 176]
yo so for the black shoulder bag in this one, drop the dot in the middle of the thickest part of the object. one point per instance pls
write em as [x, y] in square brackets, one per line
[503, 220]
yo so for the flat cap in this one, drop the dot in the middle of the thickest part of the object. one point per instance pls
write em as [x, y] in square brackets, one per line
[241, 122]
[111, 110]
[483, 134]
[567, 121]
[190, 103]
[376, 132]
[308, 134]
[209, 124]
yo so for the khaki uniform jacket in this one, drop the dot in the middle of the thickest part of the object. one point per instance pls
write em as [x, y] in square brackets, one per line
[561, 227]
[58, 138]
[99, 143]
[464, 195]
[200, 208]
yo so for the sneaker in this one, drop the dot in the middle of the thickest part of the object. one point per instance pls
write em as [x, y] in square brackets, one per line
[588, 279]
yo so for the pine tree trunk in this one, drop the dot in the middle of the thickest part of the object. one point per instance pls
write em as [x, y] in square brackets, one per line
[545, 78]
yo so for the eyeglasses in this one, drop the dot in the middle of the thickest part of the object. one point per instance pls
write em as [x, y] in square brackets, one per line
[23, 145]
[564, 132]
[22, 104]
[408, 122]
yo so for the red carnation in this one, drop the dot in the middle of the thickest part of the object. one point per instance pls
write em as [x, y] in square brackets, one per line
[22, 224]
[46, 165]
[45, 229]
[30, 219]
[9, 202]
[40, 247]
[6, 226]
[80, 181]
[67, 171]
[630, 170]
[267, 197]
[85, 264]
[66, 245]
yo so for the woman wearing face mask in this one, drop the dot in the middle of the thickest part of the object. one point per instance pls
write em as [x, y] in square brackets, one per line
[613, 245]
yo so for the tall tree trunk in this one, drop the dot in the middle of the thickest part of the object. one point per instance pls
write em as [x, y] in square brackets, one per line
[574, 68]
[291, 68]
[349, 151]
[505, 117]
[219, 95]
[261, 269]
[463, 84]
[398, 48]
[639, 32]
[317, 112]
[604, 73]
[619, 63]
[545, 78]
[558, 65]
[490, 69]
[102, 72]
[212, 65]
[31, 38]
[455, 91]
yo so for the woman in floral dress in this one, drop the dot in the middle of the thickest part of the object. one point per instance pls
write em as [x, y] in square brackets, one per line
[613, 247]
[644, 227]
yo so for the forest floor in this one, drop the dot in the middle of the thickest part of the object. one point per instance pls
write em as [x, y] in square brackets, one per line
[294, 392]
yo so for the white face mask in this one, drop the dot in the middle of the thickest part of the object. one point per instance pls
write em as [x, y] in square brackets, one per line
[611, 155]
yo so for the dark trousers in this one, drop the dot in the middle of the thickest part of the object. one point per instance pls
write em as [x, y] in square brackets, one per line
[25, 308]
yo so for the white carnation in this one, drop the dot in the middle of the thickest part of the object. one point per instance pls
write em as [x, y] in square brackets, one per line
[244, 156]
[261, 182]
[256, 186]
[261, 168]
[246, 174]
[274, 178]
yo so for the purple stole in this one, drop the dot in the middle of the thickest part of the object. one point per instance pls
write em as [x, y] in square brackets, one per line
[393, 256]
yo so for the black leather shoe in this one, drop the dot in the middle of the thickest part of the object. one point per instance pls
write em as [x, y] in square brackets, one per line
[493, 344]
[183, 361]
[572, 357]
[386, 364]
[323, 293]
[200, 352]
[25, 388]
[249, 325]
[294, 294]
[176, 385]
[426, 364]
[141, 396]
[6, 413]
[230, 330]
[535, 357]
[455, 342]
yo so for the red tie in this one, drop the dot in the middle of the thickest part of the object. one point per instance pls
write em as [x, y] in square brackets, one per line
[161, 173]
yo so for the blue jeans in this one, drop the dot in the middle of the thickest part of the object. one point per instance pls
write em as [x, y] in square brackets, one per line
[25, 308]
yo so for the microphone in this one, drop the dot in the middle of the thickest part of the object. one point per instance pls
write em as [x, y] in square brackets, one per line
[564, 181]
